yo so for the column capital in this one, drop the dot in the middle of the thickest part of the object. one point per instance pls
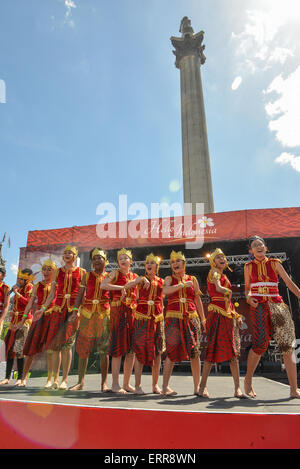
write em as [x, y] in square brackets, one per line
[189, 43]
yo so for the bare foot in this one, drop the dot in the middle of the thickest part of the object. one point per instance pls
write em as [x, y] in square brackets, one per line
[156, 390]
[105, 388]
[249, 391]
[4, 381]
[295, 394]
[118, 390]
[239, 394]
[22, 384]
[138, 390]
[129, 388]
[77, 387]
[48, 384]
[203, 392]
[18, 383]
[63, 385]
[169, 392]
[54, 385]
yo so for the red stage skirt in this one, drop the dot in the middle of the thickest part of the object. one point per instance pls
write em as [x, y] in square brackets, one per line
[93, 332]
[61, 333]
[9, 343]
[35, 341]
[182, 338]
[15, 340]
[223, 338]
[147, 340]
[121, 324]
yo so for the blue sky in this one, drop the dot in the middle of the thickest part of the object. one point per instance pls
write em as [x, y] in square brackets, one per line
[92, 107]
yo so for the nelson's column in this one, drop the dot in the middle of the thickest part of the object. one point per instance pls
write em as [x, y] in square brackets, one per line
[197, 184]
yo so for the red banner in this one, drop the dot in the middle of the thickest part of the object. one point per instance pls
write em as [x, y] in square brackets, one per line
[269, 223]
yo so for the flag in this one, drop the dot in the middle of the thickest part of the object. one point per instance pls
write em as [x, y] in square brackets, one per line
[9, 242]
[4, 238]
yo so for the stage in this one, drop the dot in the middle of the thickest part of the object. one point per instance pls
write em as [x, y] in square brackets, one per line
[32, 417]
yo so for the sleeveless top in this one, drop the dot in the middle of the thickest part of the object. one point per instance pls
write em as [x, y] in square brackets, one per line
[264, 280]
[219, 303]
[4, 289]
[42, 293]
[20, 303]
[67, 286]
[119, 278]
[182, 303]
[96, 300]
[150, 303]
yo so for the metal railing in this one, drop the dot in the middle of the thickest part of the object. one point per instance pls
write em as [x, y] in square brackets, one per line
[239, 259]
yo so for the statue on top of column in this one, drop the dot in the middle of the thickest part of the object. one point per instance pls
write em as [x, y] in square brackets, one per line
[185, 27]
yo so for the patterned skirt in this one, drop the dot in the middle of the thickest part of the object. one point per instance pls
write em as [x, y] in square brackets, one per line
[272, 319]
[15, 341]
[36, 336]
[93, 333]
[182, 338]
[148, 340]
[223, 338]
[121, 329]
[61, 334]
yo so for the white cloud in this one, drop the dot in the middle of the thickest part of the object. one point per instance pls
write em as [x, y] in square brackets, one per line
[288, 158]
[14, 268]
[259, 45]
[236, 83]
[287, 107]
[280, 55]
[269, 40]
[69, 4]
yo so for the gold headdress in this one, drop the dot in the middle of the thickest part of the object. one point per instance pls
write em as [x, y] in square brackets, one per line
[124, 251]
[177, 255]
[49, 263]
[213, 255]
[71, 248]
[152, 257]
[99, 252]
[26, 276]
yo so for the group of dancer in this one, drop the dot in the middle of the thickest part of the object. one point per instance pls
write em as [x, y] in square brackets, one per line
[122, 315]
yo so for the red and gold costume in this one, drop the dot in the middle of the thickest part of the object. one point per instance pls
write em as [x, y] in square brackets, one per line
[61, 334]
[39, 329]
[94, 317]
[121, 315]
[182, 324]
[223, 340]
[272, 315]
[12, 337]
[148, 330]
[4, 289]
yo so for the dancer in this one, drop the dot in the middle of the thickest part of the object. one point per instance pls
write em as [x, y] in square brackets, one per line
[16, 336]
[61, 334]
[4, 297]
[269, 314]
[94, 319]
[182, 325]
[222, 324]
[148, 328]
[40, 323]
[123, 284]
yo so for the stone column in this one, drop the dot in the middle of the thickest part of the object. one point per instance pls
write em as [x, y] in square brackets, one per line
[189, 54]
